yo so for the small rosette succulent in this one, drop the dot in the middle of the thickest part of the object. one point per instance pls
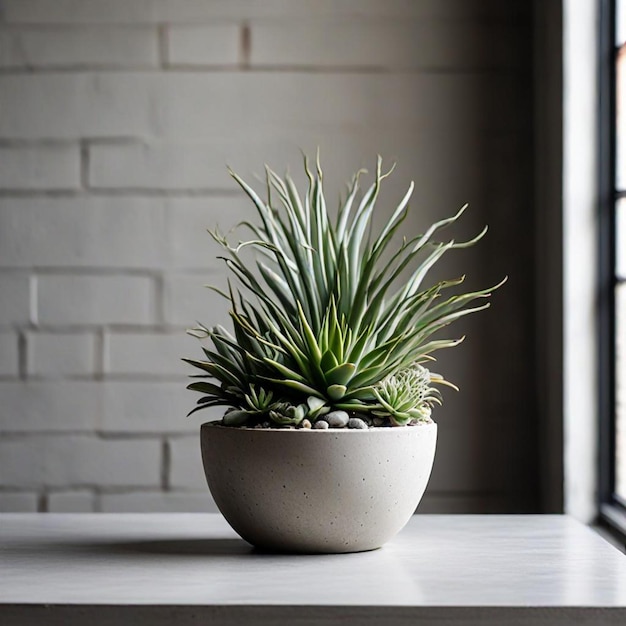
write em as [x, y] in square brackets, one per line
[408, 397]
[288, 414]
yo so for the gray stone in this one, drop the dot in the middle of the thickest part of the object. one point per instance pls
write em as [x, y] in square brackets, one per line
[357, 422]
[337, 419]
[321, 425]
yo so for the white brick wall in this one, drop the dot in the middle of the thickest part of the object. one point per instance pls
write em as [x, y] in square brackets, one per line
[46, 405]
[41, 167]
[381, 43]
[204, 46]
[85, 46]
[180, 107]
[56, 355]
[186, 464]
[78, 460]
[16, 300]
[150, 353]
[18, 502]
[95, 299]
[147, 407]
[9, 359]
[71, 502]
[115, 108]
[156, 502]
[163, 167]
[117, 119]
[186, 299]
[149, 233]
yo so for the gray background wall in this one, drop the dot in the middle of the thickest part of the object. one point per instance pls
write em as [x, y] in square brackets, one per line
[117, 118]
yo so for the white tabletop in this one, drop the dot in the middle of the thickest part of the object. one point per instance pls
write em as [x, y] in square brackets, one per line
[192, 568]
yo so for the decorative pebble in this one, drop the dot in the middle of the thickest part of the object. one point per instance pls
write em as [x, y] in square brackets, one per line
[357, 422]
[306, 424]
[378, 421]
[337, 419]
[321, 425]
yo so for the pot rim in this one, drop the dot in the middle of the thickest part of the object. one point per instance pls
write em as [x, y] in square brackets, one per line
[332, 431]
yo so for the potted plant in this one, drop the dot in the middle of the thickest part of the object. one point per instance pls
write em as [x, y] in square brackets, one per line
[327, 441]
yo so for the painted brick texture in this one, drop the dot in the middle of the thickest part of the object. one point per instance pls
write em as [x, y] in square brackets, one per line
[76, 47]
[117, 120]
[43, 167]
[9, 359]
[71, 502]
[150, 233]
[16, 303]
[78, 460]
[94, 299]
[204, 46]
[18, 502]
[56, 355]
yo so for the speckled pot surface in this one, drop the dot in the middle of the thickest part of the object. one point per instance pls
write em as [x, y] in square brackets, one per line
[335, 490]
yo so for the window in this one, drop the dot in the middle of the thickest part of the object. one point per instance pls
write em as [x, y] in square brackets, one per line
[613, 264]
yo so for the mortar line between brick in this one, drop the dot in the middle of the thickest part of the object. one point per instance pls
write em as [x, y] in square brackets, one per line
[100, 354]
[145, 329]
[84, 164]
[156, 436]
[163, 46]
[22, 355]
[278, 69]
[115, 192]
[97, 500]
[42, 503]
[108, 376]
[37, 143]
[92, 270]
[52, 143]
[67, 68]
[130, 435]
[166, 462]
[159, 299]
[244, 46]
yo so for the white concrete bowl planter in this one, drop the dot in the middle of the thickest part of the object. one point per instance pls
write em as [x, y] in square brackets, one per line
[330, 319]
[325, 491]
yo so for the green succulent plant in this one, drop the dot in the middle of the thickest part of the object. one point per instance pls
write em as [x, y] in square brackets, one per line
[288, 414]
[319, 321]
[408, 395]
[258, 402]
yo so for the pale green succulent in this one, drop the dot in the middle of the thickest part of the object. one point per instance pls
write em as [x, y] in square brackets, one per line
[317, 315]
[257, 403]
[408, 395]
[288, 414]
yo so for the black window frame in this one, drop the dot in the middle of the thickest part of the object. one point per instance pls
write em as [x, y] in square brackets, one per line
[612, 511]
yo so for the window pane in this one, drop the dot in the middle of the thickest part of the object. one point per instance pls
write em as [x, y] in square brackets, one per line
[620, 239]
[621, 22]
[620, 381]
[620, 147]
